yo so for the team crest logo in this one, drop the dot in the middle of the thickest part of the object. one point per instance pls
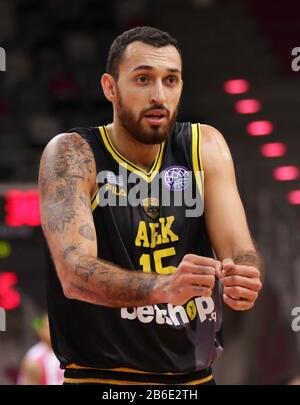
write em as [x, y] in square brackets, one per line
[151, 207]
[176, 178]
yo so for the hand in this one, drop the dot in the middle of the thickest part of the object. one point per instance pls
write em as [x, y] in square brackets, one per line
[241, 285]
[195, 276]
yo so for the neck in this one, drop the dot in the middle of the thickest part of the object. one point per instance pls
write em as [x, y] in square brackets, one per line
[140, 154]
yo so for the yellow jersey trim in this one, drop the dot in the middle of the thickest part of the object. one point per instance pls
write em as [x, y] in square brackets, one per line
[95, 199]
[147, 176]
[95, 202]
[94, 193]
[124, 382]
[197, 158]
[120, 369]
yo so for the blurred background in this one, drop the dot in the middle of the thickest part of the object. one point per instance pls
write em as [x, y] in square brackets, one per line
[238, 77]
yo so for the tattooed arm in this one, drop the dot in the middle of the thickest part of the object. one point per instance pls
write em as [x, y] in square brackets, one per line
[227, 225]
[67, 179]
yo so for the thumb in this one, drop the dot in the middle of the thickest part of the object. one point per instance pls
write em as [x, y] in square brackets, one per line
[219, 270]
[227, 264]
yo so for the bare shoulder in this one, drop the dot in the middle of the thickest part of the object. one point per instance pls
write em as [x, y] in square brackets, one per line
[69, 143]
[67, 155]
[214, 147]
[67, 178]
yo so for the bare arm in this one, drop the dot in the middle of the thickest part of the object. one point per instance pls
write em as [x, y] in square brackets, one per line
[66, 181]
[31, 373]
[226, 222]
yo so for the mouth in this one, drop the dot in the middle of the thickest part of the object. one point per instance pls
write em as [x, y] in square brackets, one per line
[156, 117]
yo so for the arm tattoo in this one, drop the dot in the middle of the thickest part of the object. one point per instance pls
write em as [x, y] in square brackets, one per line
[127, 287]
[87, 232]
[68, 250]
[249, 258]
[85, 269]
[91, 295]
[58, 179]
[82, 289]
[111, 285]
[85, 202]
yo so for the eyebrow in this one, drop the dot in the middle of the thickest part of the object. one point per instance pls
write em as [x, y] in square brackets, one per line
[148, 67]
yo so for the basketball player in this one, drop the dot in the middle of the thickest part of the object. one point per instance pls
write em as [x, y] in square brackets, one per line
[137, 292]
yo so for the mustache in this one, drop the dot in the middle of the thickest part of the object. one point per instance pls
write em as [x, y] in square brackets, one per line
[156, 107]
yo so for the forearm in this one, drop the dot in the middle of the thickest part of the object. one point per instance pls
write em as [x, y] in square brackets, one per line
[250, 258]
[103, 283]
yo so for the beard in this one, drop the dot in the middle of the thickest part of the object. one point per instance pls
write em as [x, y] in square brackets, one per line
[154, 135]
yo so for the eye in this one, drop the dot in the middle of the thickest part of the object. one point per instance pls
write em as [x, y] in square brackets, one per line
[172, 80]
[142, 79]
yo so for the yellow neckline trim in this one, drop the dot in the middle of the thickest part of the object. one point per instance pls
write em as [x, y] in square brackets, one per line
[147, 176]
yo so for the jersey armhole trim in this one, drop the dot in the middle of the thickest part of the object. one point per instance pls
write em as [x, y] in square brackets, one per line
[197, 157]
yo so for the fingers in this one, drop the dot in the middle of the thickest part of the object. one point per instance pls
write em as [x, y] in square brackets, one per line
[238, 305]
[184, 294]
[198, 280]
[238, 293]
[200, 260]
[251, 283]
[201, 292]
[229, 268]
[204, 261]
[241, 285]
[192, 268]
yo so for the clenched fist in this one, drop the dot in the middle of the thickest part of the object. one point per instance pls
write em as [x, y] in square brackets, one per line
[241, 285]
[195, 276]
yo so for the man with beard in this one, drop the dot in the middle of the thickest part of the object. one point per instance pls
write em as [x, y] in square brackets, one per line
[136, 295]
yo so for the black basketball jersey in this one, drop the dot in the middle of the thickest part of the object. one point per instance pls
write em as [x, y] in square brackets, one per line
[145, 221]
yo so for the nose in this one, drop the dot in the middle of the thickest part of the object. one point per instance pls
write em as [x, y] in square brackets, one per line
[158, 95]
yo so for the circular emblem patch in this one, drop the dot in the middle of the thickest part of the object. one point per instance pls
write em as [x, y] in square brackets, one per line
[177, 178]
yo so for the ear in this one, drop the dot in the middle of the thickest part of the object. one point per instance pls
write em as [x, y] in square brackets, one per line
[108, 84]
